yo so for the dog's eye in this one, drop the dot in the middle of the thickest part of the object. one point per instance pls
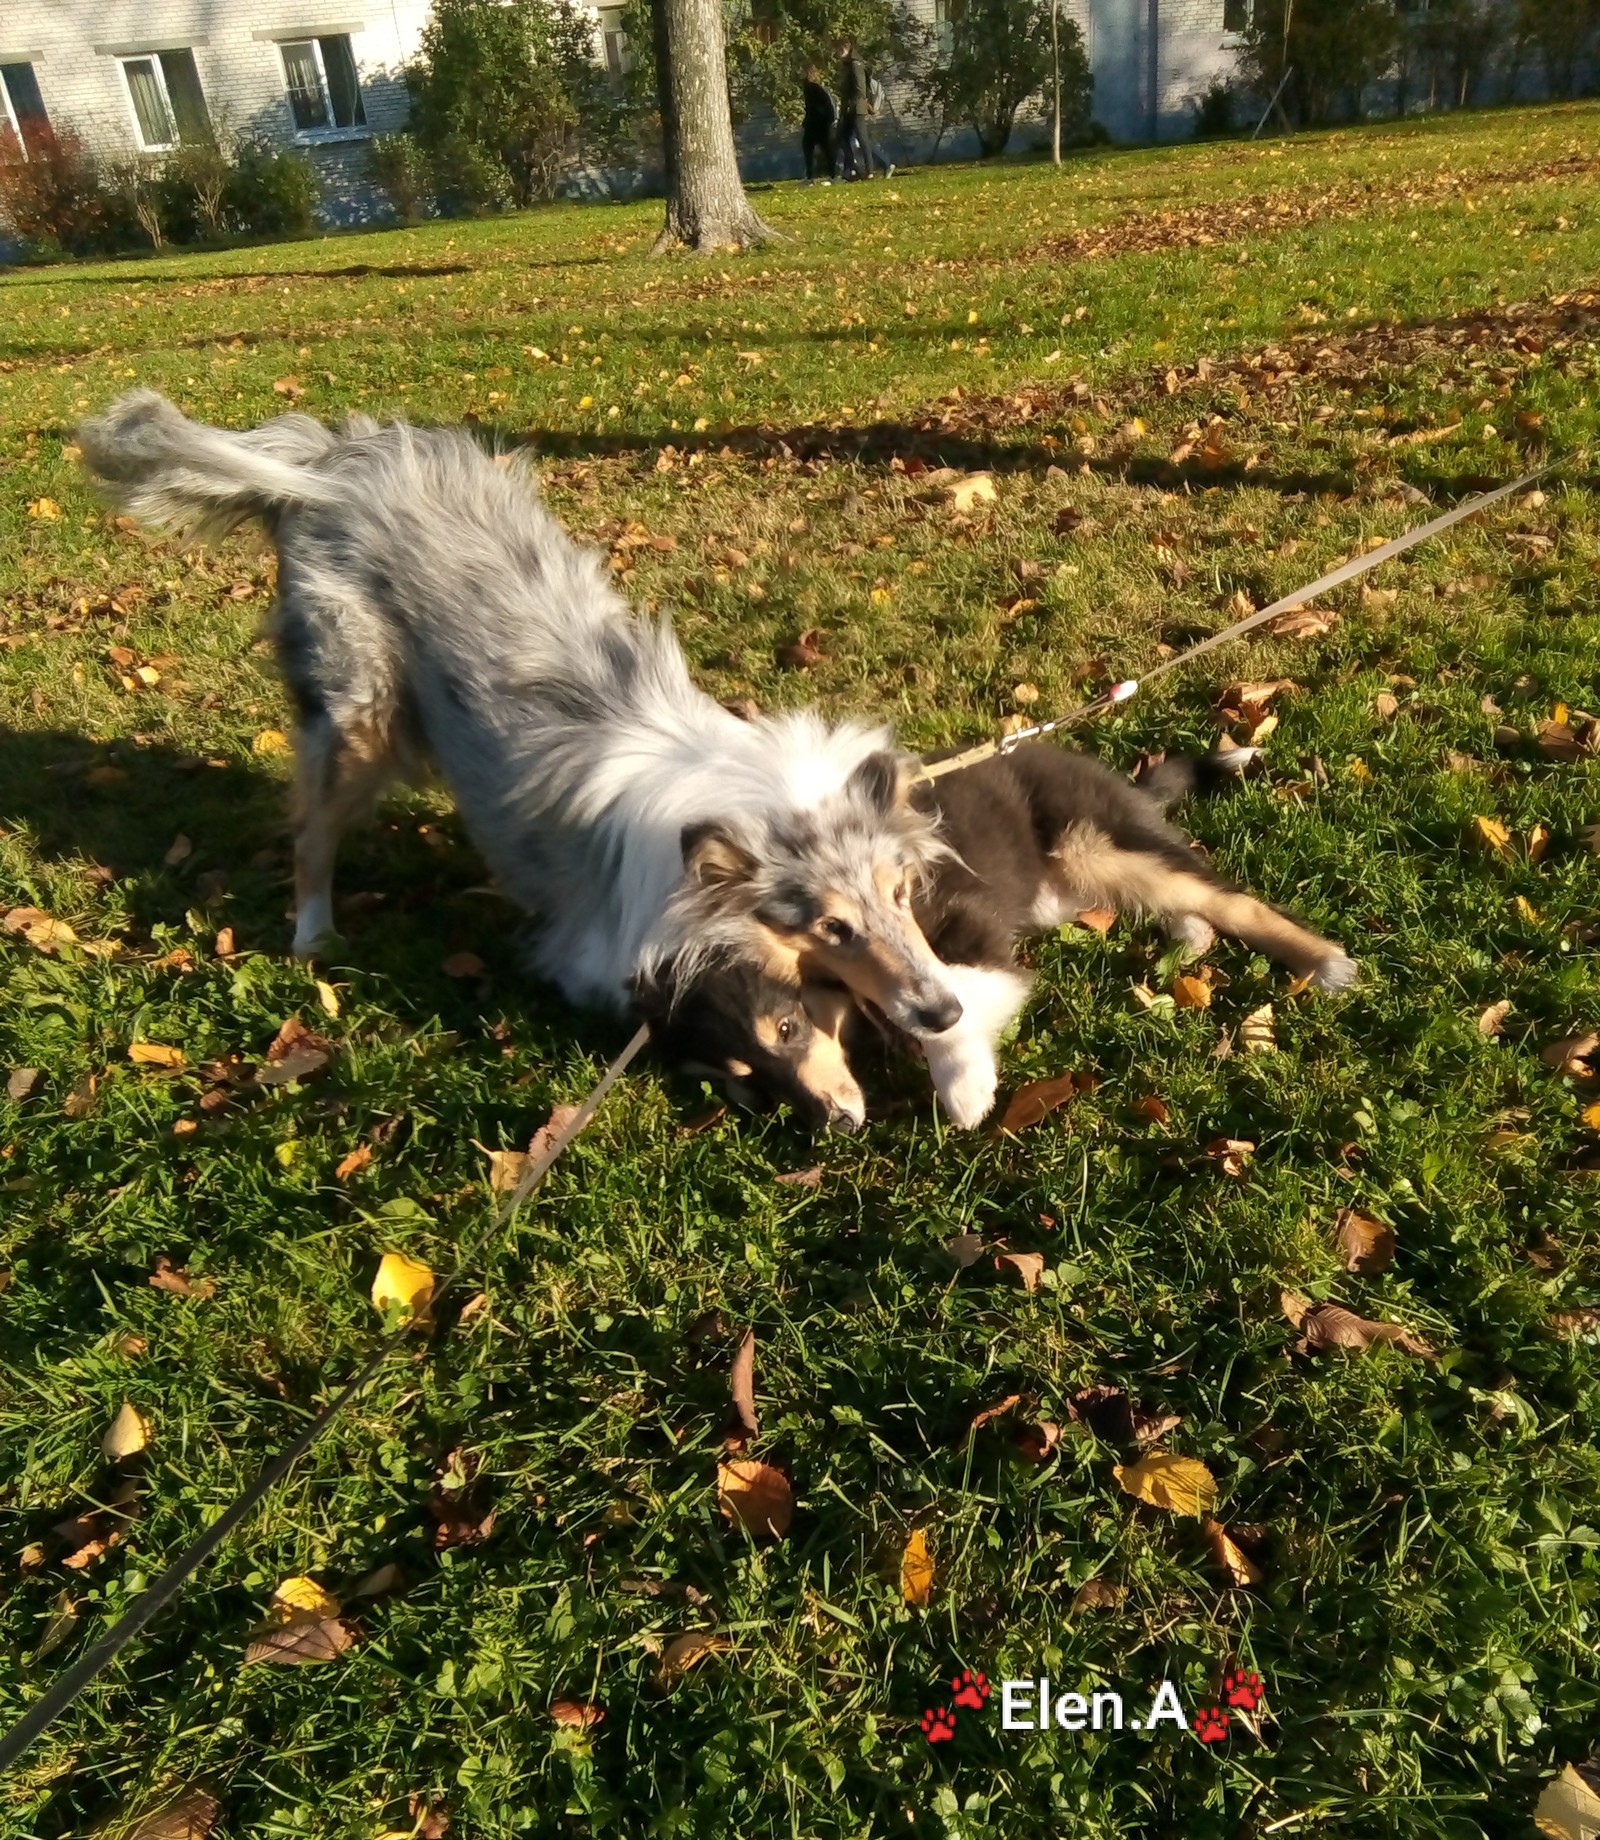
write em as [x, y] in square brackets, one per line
[840, 932]
[786, 1029]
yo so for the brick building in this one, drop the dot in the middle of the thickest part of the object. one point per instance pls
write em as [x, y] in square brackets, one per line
[325, 75]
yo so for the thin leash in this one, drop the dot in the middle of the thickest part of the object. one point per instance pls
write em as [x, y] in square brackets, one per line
[94, 1660]
[1130, 687]
[76, 1679]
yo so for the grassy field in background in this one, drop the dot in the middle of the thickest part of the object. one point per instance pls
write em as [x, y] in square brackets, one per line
[1198, 377]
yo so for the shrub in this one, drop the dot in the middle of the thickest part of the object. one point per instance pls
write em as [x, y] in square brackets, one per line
[1213, 111]
[399, 169]
[55, 199]
[272, 192]
[136, 193]
[194, 187]
[468, 181]
[997, 58]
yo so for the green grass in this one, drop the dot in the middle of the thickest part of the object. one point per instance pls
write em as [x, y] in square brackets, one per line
[1427, 1619]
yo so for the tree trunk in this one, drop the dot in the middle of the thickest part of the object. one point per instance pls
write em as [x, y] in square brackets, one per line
[706, 205]
[1055, 70]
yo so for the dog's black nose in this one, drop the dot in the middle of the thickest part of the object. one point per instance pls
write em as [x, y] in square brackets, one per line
[935, 1018]
[839, 1120]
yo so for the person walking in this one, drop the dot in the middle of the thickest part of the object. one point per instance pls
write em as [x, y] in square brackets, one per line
[816, 130]
[855, 142]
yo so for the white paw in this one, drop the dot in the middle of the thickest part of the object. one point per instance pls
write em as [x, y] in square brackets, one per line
[1191, 931]
[1335, 973]
[313, 929]
[969, 1098]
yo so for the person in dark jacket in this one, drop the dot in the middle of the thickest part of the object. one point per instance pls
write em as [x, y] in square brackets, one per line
[855, 143]
[816, 130]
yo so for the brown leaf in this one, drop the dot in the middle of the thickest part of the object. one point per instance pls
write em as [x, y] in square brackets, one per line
[1037, 1443]
[965, 1249]
[1231, 1154]
[1031, 1103]
[189, 1813]
[1585, 1321]
[1096, 1594]
[80, 1101]
[801, 1178]
[539, 1145]
[581, 1714]
[353, 1163]
[1192, 990]
[1028, 1266]
[506, 1169]
[301, 1063]
[974, 490]
[1113, 1416]
[1097, 919]
[463, 965]
[1304, 623]
[1570, 1055]
[1153, 1109]
[382, 1581]
[1568, 1807]
[1489, 1023]
[803, 652]
[174, 1278]
[1329, 1325]
[1367, 1245]
[429, 1820]
[288, 386]
[90, 1536]
[1231, 1556]
[294, 1036]
[21, 1082]
[40, 929]
[685, 1651]
[755, 1496]
[297, 1644]
[742, 1386]
[982, 1418]
[455, 1504]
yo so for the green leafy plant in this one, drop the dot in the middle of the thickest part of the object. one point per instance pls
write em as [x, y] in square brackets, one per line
[995, 57]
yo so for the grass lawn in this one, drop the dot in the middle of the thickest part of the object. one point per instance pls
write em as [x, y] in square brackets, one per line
[1198, 377]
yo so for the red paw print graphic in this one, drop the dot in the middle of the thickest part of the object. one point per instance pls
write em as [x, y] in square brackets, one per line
[1243, 1690]
[938, 1724]
[969, 1689]
[1211, 1724]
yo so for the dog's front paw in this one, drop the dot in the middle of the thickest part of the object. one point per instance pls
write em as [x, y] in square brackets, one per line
[969, 1098]
[1337, 972]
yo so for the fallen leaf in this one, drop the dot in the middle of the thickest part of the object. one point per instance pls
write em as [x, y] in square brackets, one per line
[298, 1064]
[353, 1163]
[1037, 1443]
[456, 1504]
[1386, 706]
[126, 1436]
[581, 1714]
[916, 1569]
[297, 1644]
[222, 945]
[686, 1651]
[288, 386]
[1181, 1485]
[90, 1536]
[544, 1139]
[1379, 598]
[1028, 1266]
[1493, 835]
[302, 1600]
[1031, 1103]
[328, 997]
[58, 1631]
[270, 741]
[39, 929]
[506, 1169]
[975, 489]
[1113, 1417]
[1570, 1055]
[1304, 623]
[1097, 919]
[1192, 990]
[20, 1083]
[1489, 1023]
[463, 965]
[293, 1037]
[1367, 1245]
[404, 1283]
[801, 1178]
[1576, 1322]
[189, 1813]
[178, 851]
[1153, 1109]
[1328, 1325]
[155, 1054]
[1231, 1154]
[1568, 1808]
[45, 508]
[80, 1101]
[755, 1496]
[1591, 1116]
[1256, 1034]
[742, 1387]
[965, 1249]
[989, 1412]
[382, 1581]
[802, 653]
[170, 1277]
[1096, 1594]
[1231, 1556]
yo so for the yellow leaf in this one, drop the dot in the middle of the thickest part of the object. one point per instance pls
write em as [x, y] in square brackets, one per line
[45, 508]
[881, 597]
[126, 1436]
[1526, 908]
[328, 997]
[302, 1600]
[1538, 842]
[682, 1652]
[1493, 835]
[405, 1282]
[39, 929]
[916, 1569]
[270, 741]
[1256, 1033]
[1591, 1116]
[155, 1054]
[1231, 1556]
[1568, 1809]
[1191, 992]
[755, 1496]
[975, 489]
[1181, 1485]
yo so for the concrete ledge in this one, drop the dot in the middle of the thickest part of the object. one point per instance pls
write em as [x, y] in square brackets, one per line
[147, 47]
[324, 28]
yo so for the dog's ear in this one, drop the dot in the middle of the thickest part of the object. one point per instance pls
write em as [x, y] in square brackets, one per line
[882, 780]
[712, 855]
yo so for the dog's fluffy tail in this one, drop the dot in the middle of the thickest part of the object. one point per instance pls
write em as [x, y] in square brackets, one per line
[1174, 779]
[198, 481]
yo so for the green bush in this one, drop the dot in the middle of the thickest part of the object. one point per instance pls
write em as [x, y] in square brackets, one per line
[272, 192]
[400, 169]
[1214, 111]
[468, 181]
[194, 194]
[997, 58]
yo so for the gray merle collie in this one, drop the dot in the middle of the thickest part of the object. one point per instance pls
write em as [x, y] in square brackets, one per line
[1034, 838]
[431, 610]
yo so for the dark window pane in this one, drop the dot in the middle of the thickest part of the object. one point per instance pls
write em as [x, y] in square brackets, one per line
[149, 105]
[305, 86]
[27, 105]
[1235, 15]
[344, 87]
[186, 96]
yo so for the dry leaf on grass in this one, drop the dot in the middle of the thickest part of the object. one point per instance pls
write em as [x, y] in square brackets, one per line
[175, 1278]
[298, 1644]
[1181, 1485]
[543, 1140]
[1569, 1807]
[1570, 1055]
[1113, 1416]
[755, 1497]
[1096, 1594]
[179, 851]
[1256, 1033]
[1028, 1266]
[1591, 1116]
[270, 741]
[382, 1581]
[87, 1537]
[579, 1714]
[1366, 1245]
[1304, 623]
[974, 490]
[1152, 1109]
[404, 1285]
[40, 929]
[964, 1249]
[982, 1418]
[126, 1435]
[1192, 989]
[1329, 1325]
[743, 1423]
[20, 1083]
[301, 1600]
[687, 1651]
[1584, 1321]
[1231, 1556]
[1097, 919]
[1492, 835]
[327, 997]
[916, 1569]
[80, 1101]
[1231, 1154]
[456, 1503]
[801, 1178]
[1492, 1019]
[155, 1054]
[1035, 1101]
[353, 1163]
[463, 965]
[802, 653]
[1037, 1443]
[189, 1813]
[505, 1168]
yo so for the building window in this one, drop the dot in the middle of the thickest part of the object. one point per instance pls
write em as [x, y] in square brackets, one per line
[24, 126]
[1236, 15]
[944, 28]
[168, 102]
[619, 59]
[324, 89]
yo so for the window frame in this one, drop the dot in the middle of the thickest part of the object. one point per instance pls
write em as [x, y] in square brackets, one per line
[8, 119]
[153, 59]
[361, 130]
[1233, 35]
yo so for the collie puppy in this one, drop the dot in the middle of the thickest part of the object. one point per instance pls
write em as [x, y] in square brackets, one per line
[430, 610]
[1034, 838]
